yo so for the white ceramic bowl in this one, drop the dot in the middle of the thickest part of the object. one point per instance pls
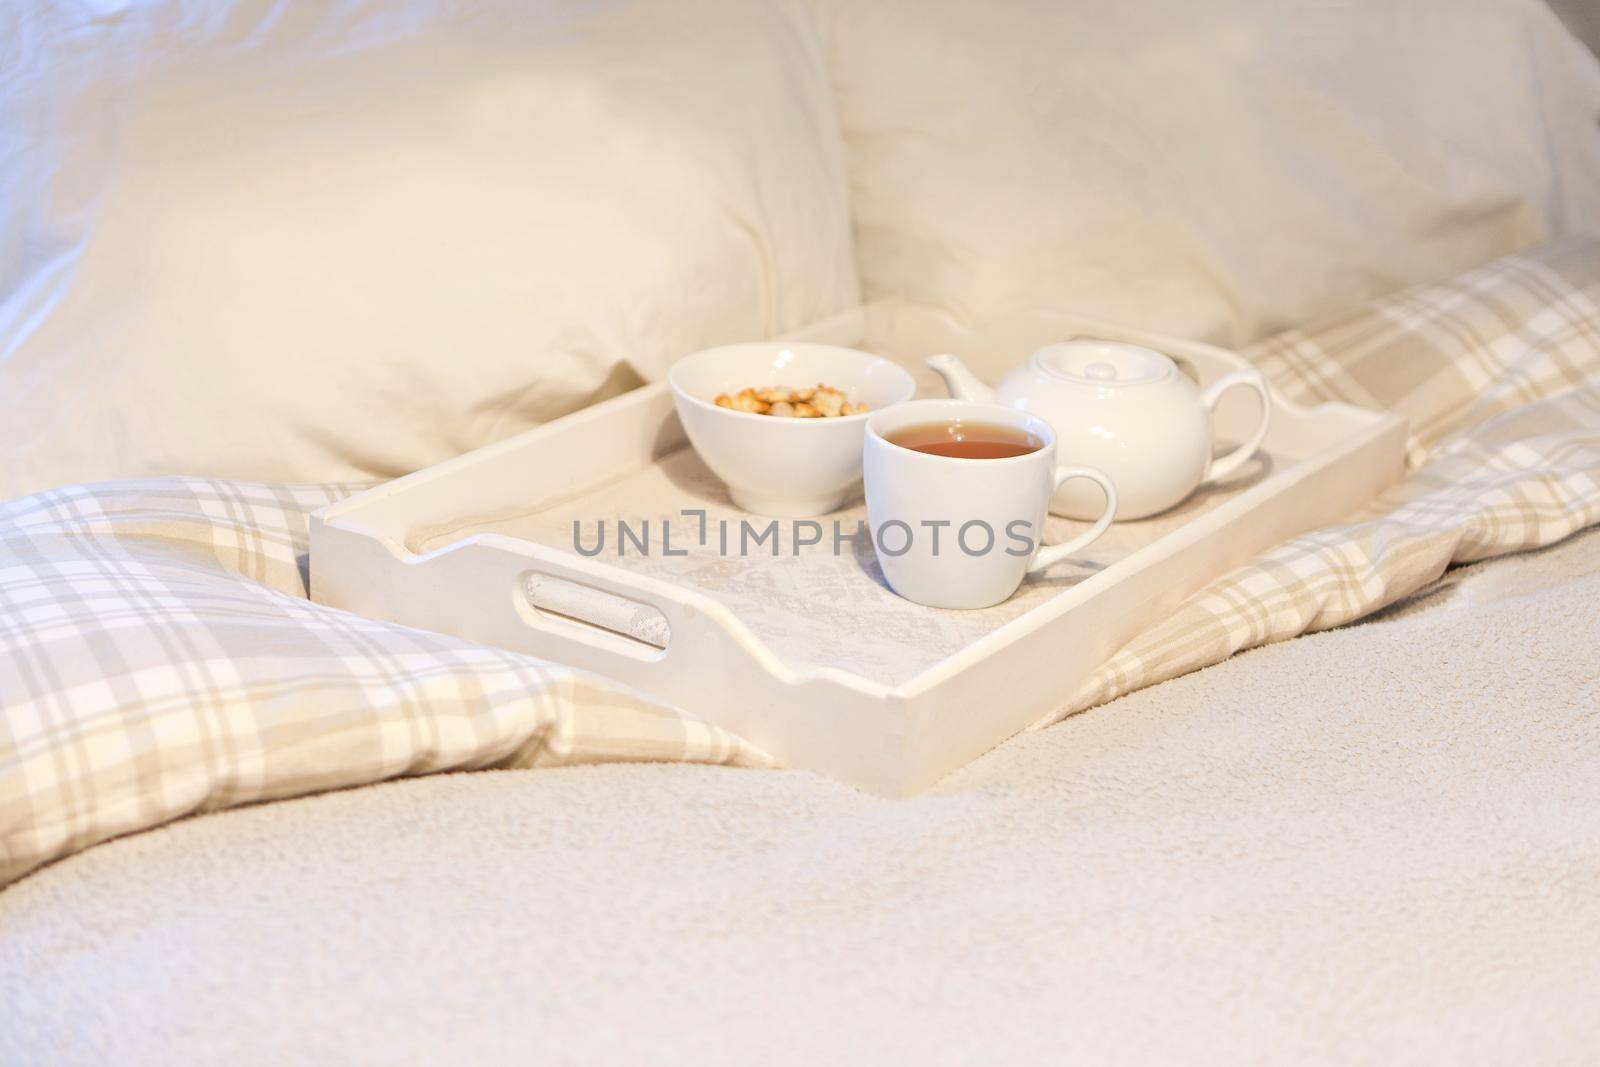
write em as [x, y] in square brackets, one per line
[781, 466]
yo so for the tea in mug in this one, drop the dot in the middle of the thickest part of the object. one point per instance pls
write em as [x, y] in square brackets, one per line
[955, 439]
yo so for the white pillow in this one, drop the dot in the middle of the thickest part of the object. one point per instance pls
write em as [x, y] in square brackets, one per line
[337, 240]
[1221, 169]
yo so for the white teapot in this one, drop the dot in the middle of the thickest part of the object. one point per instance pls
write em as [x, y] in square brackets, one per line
[1125, 409]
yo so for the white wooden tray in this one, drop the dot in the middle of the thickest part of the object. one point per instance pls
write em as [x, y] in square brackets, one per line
[809, 655]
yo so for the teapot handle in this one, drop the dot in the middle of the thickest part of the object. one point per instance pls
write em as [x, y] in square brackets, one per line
[1250, 379]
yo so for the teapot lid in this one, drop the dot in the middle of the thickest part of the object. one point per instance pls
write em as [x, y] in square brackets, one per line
[1102, 363]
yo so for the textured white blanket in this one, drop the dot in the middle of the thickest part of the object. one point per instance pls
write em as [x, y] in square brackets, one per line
[1378, 843]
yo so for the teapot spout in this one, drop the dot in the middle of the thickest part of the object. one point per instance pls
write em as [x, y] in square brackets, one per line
[961, 382]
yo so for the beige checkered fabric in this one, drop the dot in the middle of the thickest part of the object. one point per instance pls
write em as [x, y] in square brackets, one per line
[158, 655]
[1499, 373]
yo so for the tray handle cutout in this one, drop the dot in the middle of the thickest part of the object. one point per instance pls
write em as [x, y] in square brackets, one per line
[643, 626]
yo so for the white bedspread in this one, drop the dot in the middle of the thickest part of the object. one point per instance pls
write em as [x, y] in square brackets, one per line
[1377, 843]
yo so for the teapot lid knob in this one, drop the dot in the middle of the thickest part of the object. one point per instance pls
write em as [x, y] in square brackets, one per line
[1107, 364]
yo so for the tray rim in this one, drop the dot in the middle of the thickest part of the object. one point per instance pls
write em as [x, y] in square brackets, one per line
[855, 321]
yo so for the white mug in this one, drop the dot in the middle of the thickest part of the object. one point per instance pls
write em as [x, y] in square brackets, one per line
[963, 533]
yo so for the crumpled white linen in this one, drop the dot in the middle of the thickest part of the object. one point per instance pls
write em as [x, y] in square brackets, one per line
[337, 240]
[1221, 170]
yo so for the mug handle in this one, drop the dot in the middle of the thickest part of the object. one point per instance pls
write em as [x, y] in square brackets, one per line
[1250, 379]
[1048, 555]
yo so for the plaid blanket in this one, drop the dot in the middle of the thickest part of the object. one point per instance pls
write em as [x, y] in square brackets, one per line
[158, 655]
[1498, 372]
